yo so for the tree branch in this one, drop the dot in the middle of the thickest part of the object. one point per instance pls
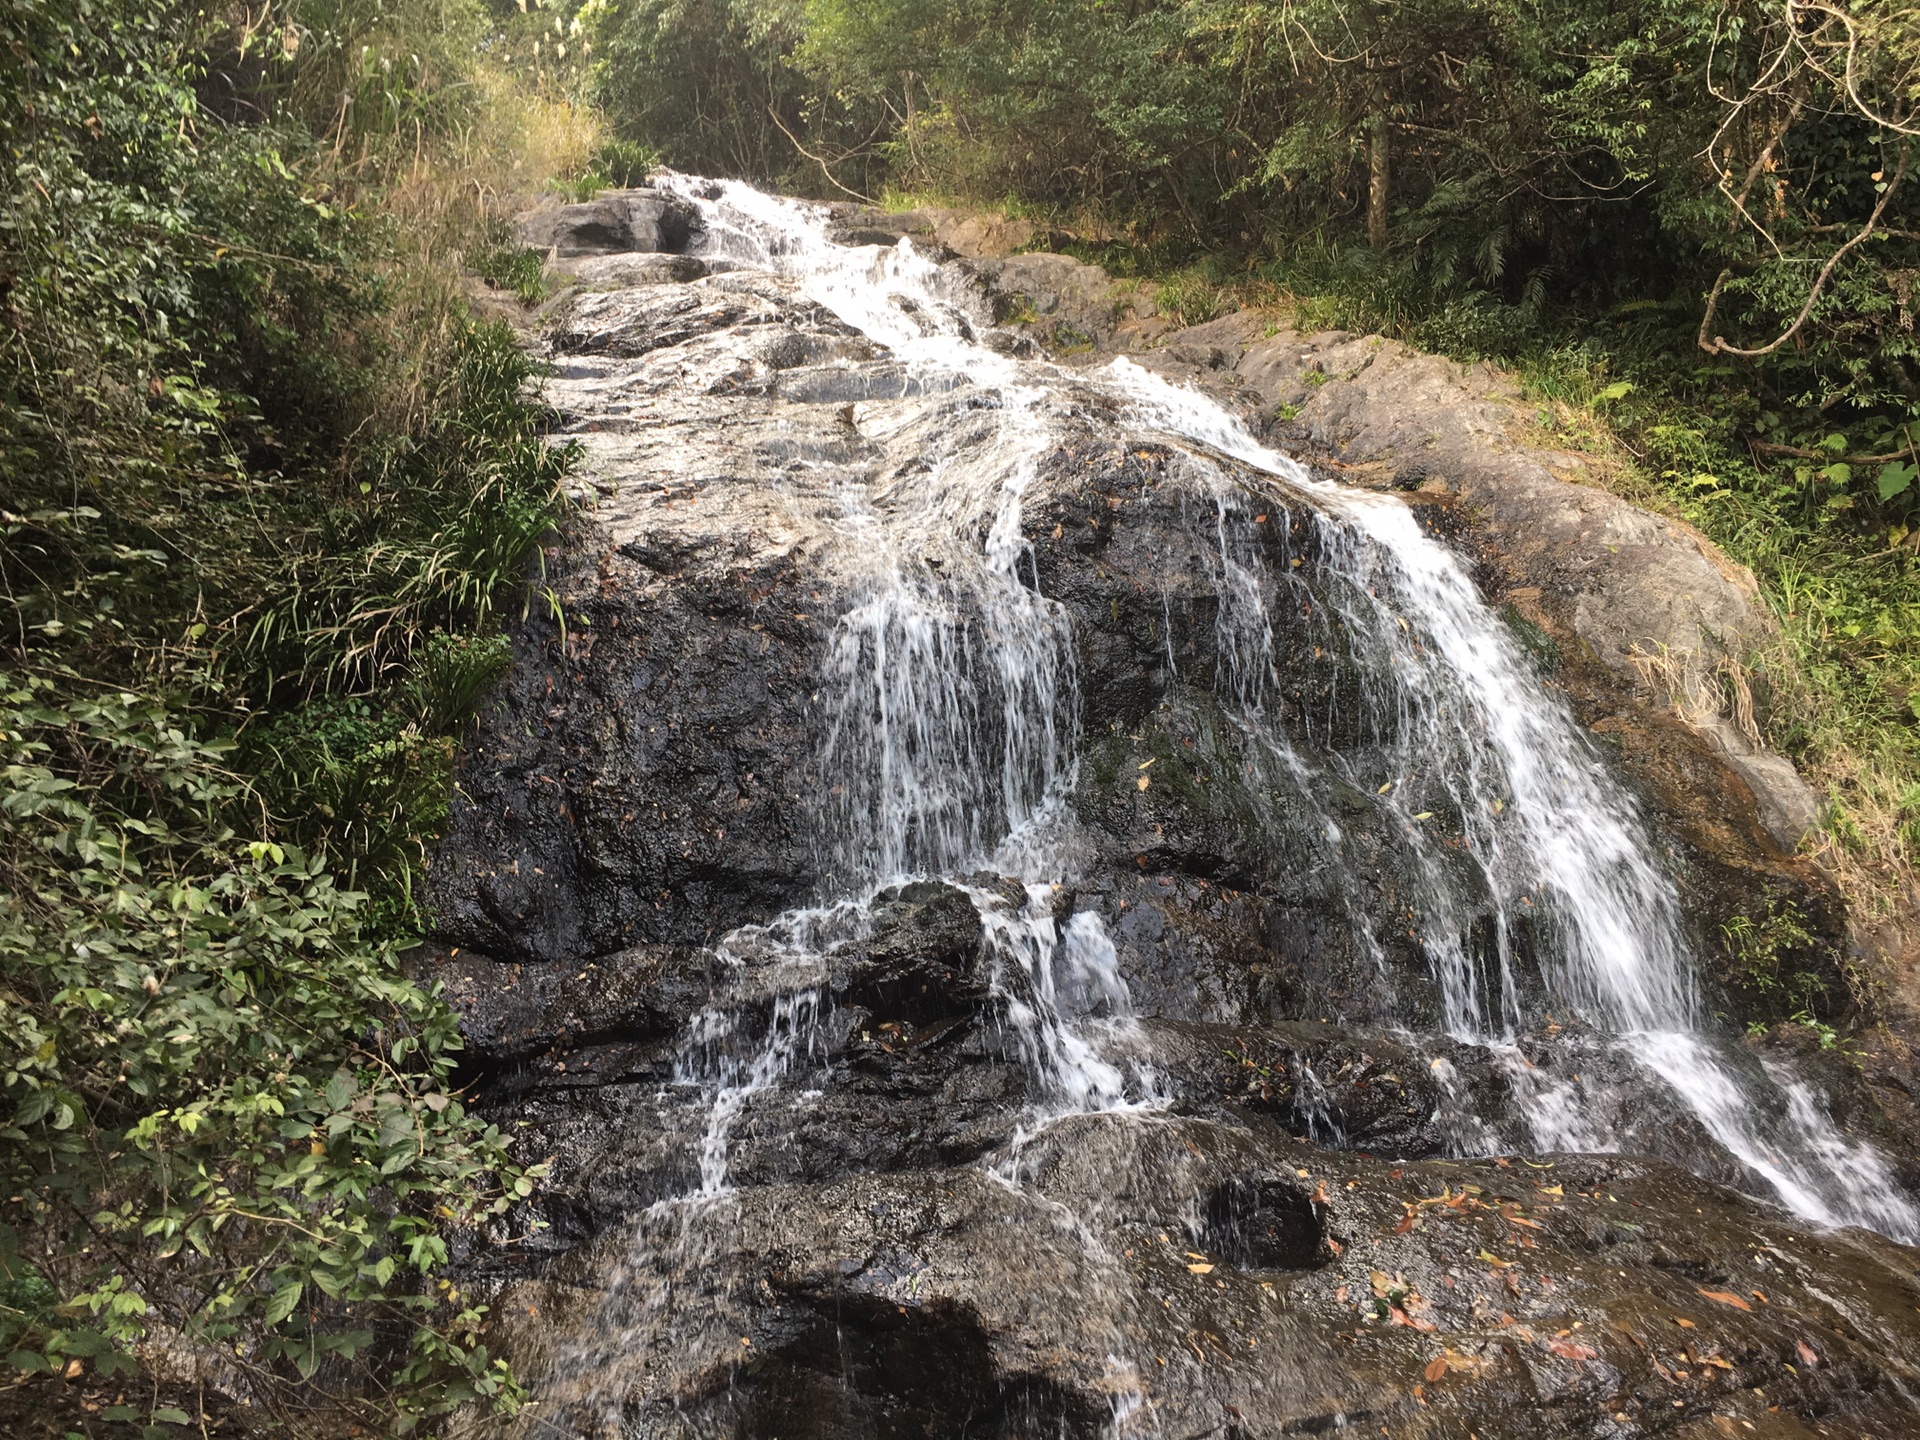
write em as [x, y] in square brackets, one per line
[1719, 346]
[809, 155]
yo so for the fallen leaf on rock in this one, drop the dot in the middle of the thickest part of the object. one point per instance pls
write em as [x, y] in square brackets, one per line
[1413, 1322]
[1142, 783]
[1407, 1222]
[1436, 1368]
[1571, 1350]
[1683, 1322]
[1201, 1269]
[1726, 1297]
[1808, 1355]
[1494, 1260]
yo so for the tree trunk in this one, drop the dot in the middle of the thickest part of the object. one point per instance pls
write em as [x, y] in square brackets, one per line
[1377, 181]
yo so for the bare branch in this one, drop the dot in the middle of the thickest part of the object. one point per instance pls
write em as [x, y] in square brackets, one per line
[832, 179]
[1719, 346]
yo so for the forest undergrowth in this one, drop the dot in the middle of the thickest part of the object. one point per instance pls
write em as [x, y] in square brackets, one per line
[267, 488]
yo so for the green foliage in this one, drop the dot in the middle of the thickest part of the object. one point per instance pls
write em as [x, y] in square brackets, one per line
[1192, 297]
[507, 266]
[626, 163]
[1768, 962]
[207, 1066]
[260, 504]
[709, 82]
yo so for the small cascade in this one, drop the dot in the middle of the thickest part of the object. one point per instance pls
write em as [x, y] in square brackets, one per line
[735, 1077]
[951, 738]
[1552, 833]
[1066, 1002]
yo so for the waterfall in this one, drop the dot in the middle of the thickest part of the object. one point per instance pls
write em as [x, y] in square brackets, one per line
[953, 701]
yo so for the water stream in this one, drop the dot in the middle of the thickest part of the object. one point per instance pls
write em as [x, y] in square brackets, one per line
[951, 690]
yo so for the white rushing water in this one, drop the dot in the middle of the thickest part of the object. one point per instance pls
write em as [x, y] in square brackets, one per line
[950, 683]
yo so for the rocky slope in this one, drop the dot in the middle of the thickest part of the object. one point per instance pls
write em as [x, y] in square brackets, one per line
[818, 1167]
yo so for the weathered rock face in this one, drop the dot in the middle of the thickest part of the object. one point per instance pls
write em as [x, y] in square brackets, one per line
[642, 219]
[1133, 1113]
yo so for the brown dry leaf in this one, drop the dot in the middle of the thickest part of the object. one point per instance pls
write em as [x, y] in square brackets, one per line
[1808, 1355]
[1412, 1322]
[1571, 1350]
[1436, 1368]
[1683, 1322]
[1381, 1284]
[1494, 1260]
[1201, 1269]
[1335, 1246]
[1407, 1222]
[1142, 783]
[1726, 1297]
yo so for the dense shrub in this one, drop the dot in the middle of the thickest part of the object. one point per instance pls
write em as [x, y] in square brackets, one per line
[264, 488]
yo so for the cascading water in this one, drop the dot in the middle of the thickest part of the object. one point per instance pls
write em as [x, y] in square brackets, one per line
[1562, 829]
[950, 697]
[1553, 836]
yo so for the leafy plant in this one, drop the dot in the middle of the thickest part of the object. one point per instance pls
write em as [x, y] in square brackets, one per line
[626, 163]
[515, 268]
[264, 490]
[1768, 961]
[226, 1107]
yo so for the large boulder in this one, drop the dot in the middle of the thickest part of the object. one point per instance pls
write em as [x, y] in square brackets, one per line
[647, 221]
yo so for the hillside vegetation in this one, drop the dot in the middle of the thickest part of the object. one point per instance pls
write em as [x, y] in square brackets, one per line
[1695, 230]
[264, 485]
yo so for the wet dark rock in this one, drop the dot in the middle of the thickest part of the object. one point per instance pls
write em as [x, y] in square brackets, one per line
[920, 967]
[808, 1175]
[1256, 1222]
[510, 1012]
[1517, 1300]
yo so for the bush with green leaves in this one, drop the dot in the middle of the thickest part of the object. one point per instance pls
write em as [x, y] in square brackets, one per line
[228, 1112]
[261, 507]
